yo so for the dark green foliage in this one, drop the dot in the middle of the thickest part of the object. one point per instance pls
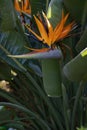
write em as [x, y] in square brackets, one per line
[27, 105]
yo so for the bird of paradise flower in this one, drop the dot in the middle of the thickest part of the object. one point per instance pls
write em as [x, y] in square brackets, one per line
[48, 35]
[23, 6]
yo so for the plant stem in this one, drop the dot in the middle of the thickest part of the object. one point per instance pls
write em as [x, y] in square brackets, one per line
[51, 69]
[30, 113]
[65, 106]
[78, 94]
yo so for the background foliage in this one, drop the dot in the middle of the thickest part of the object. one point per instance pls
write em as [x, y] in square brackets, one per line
[27, 105]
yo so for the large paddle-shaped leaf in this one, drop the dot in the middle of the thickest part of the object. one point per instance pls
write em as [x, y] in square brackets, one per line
[76, 69]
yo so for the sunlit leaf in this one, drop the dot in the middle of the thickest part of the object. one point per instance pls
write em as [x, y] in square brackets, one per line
[54, 11]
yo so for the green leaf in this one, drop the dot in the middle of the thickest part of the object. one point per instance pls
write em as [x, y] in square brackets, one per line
[28, 112]
[65, 106]
[16, 125]
[38, 6]
[8, 115]
[7, 20]
[12, 42]
[82, 128]
[82, 42]
[3, 128]
[75, 70]
[54, 12]
[77, 9]
[8, 96]
[52, 77]
[5, 71]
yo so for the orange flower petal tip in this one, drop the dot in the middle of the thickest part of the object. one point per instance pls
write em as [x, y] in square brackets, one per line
[23, 6]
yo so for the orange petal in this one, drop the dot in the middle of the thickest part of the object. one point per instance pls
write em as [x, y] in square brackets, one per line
[38, 50]
[59, 28]
[62, 21]
[59, 23]
[24, 7]
[16, 5]
[66, 17]
[50, 28]
[37, 36]
[58, 31]
[42, 30]
[66, 31]
[27, 6]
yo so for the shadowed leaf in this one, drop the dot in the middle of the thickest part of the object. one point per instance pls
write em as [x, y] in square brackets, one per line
[7, 20]
[76, 70]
